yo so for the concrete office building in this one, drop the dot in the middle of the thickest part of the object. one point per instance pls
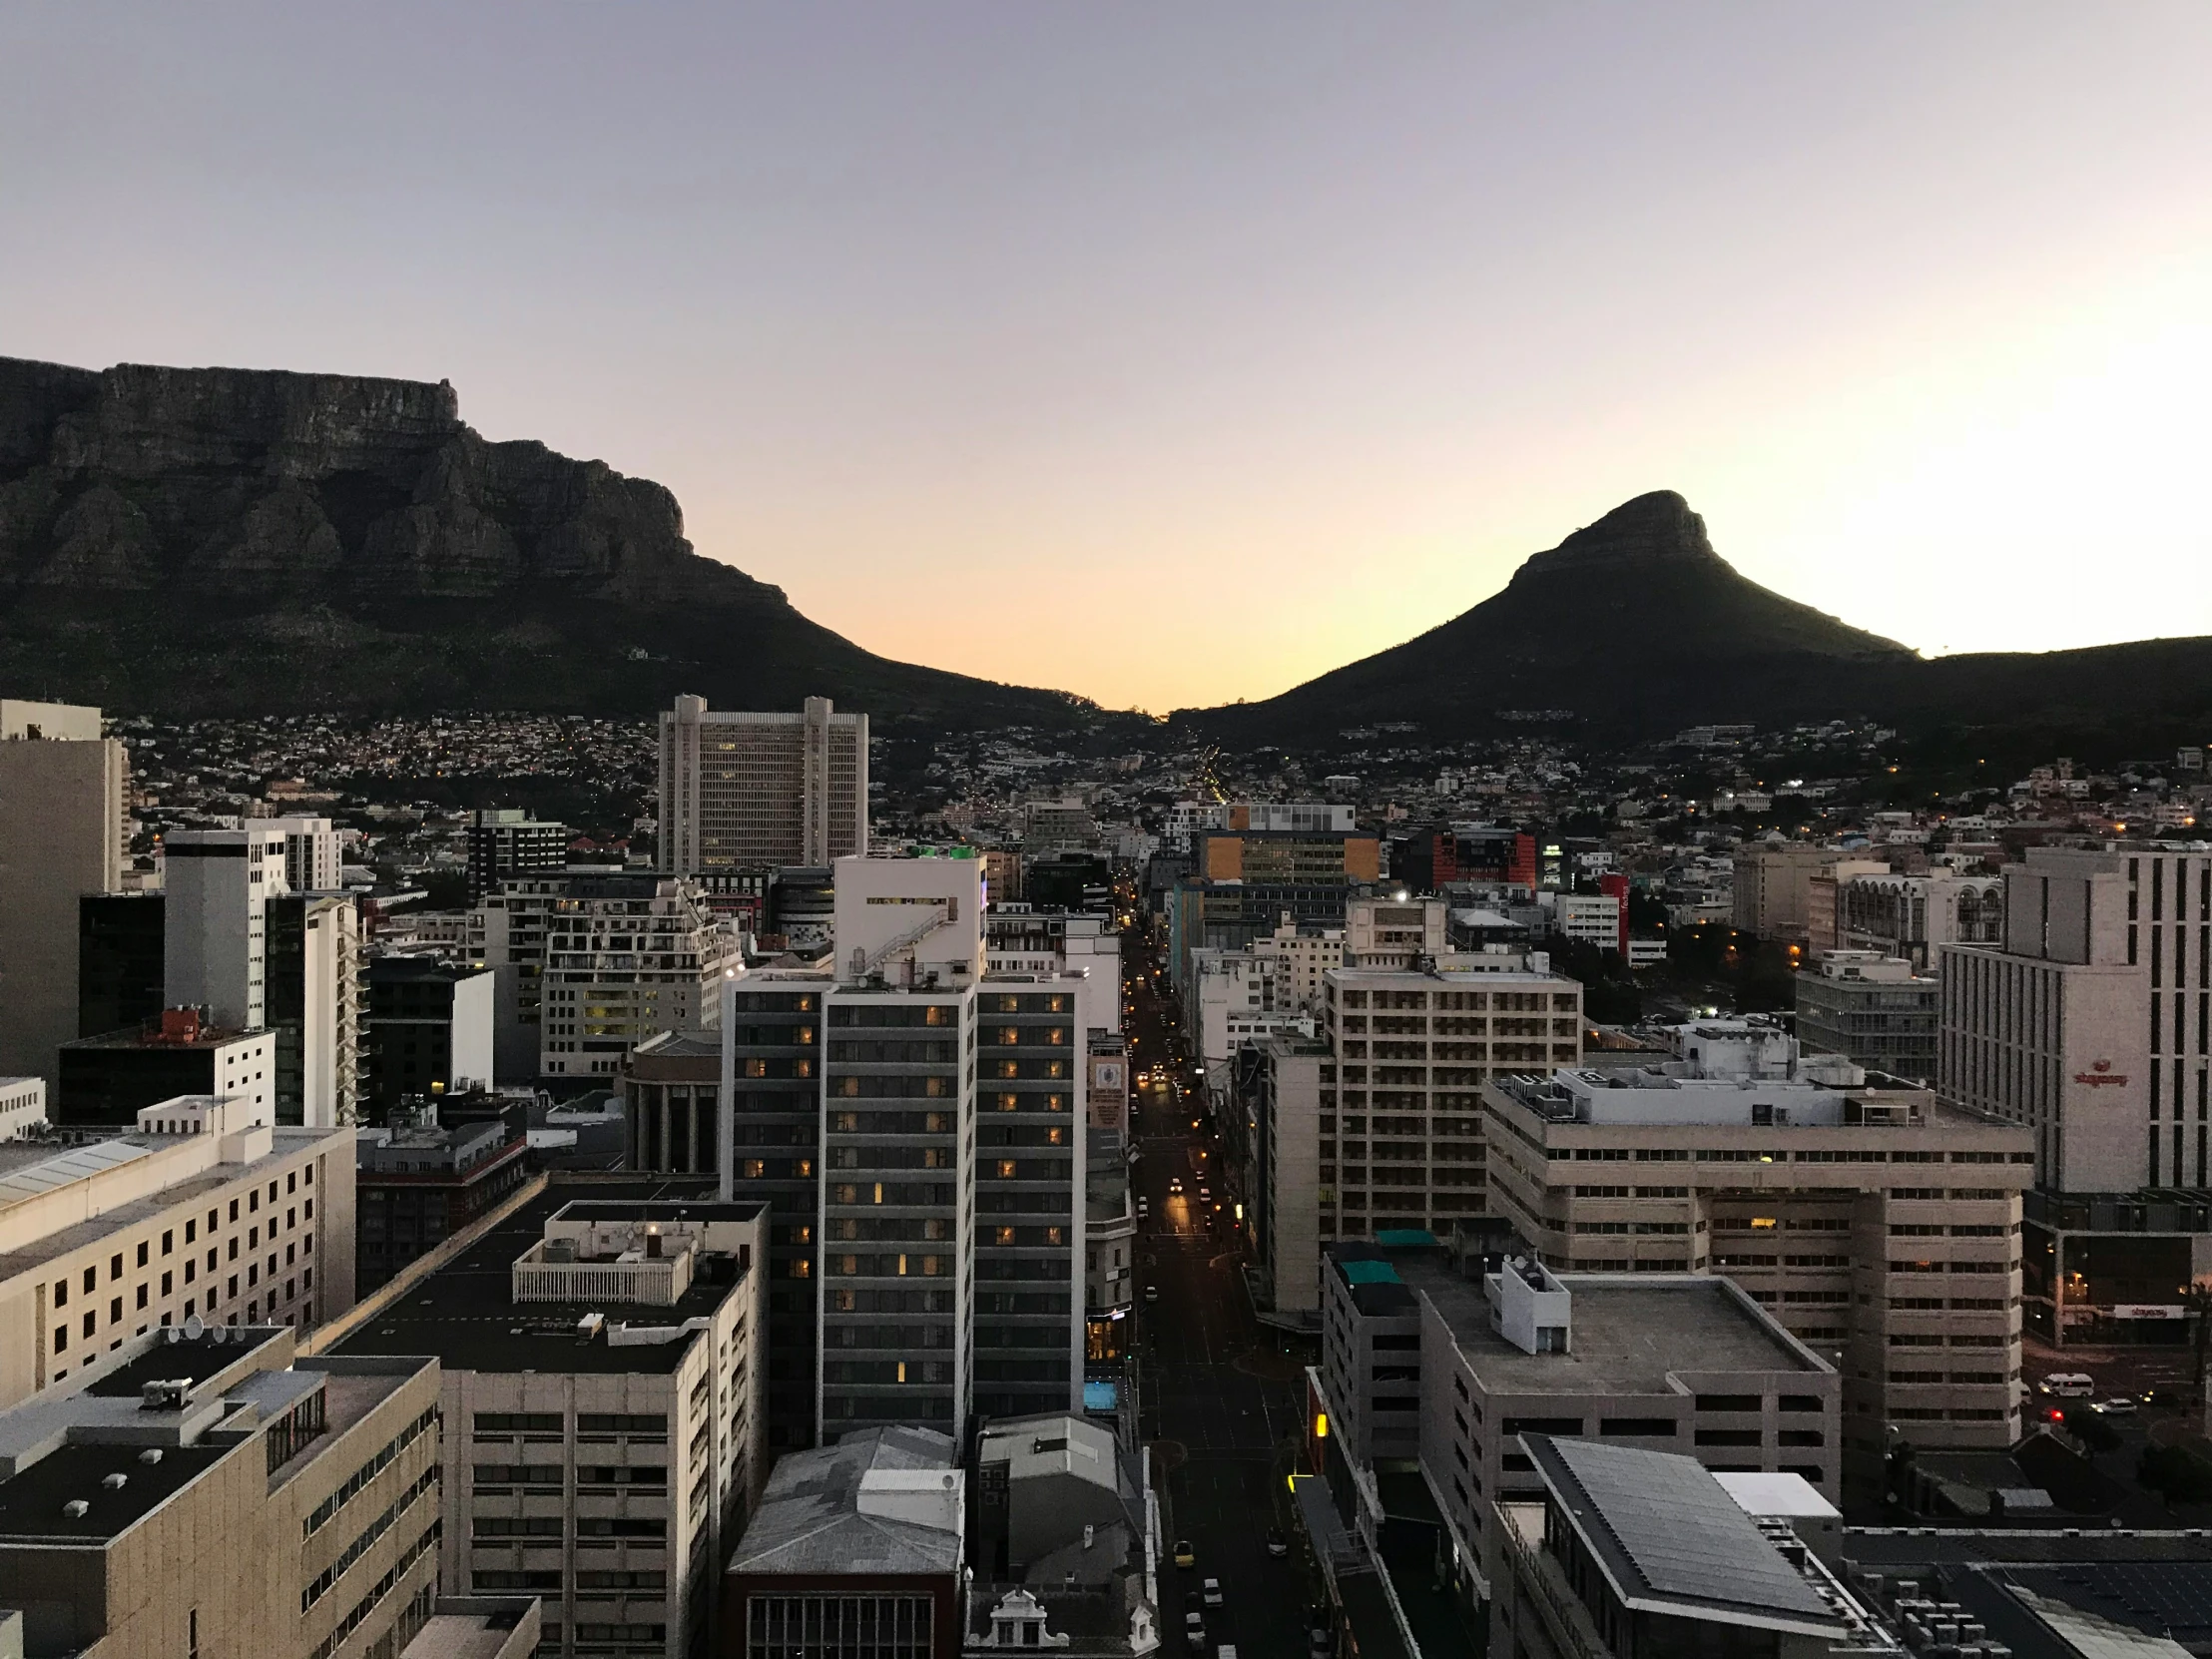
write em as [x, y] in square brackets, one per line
[506, 932]
[1394, 933]
[315, 1006]
[856, 1546]
[198, 1209]
[1426, 1365]
[607, 1457]
[624, 957]
[506, 843]
[1881, 1226]
[1773, 889]
[1872, 1009]
[761, 791]
[107, 1080]
[1285, 1188]
[65, 800]
[1594, 1563]
[1301, 958]
[1584, 918]
[1401, 1133]
[22, 1106]
[1914, 916]
[428, 1030]
[215, 886]
[211, 1492]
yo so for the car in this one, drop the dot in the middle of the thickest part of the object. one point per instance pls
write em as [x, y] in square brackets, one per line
[2069, 1385]
[1194, 1632]
[1205, 1193]
[1212, 1591]
[2123, 1406]
[1185, 1556]
[1277, 1545]
[1174, 1184]
[1191, 1602]
[1151, 1293]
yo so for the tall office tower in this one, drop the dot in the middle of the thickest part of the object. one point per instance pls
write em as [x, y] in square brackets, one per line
[314, 1005]
[216, 1492]
[1030, 1207]
[312, 861]
[507, 841]
[195, 1208]
[64, 814]
[627, 956]
[611, 1467]
[119, 960]
[217, 884]
[758, 791]
[771, 1049]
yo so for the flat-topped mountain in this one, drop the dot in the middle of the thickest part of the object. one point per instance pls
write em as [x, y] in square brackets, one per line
[1637, 626]
[214, 540]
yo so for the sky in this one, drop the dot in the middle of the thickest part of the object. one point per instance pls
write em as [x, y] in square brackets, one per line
[1176, 353]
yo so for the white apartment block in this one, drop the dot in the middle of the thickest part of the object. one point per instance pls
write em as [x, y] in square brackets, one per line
[744, 790]
[204, 1210]
[64, 804]
[314, 855]
[1400, 1130]
[22, 1106]
[1914, 916]
[1290, 818]
[1586, 918]
[1237, 1001]
[1880, 1227]
[2088, 1023]
[624, 957]
[215, 942]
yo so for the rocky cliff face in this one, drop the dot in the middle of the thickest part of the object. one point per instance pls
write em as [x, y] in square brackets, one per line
[228, 529]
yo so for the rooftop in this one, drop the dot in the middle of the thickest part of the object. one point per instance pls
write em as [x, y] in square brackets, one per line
[1671, 1540]
[134, 1037]
[466, 1315]
[811, 1518]
[1633, 1333]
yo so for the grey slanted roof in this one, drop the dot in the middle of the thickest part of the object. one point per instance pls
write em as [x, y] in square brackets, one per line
[809, 1520]
[1671, 1538]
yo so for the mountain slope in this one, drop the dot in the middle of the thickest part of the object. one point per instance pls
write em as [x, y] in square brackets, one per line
[1636, 626]
[231, 541]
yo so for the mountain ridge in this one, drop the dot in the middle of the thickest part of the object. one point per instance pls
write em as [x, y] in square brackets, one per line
[1634, 626]
[206, 540]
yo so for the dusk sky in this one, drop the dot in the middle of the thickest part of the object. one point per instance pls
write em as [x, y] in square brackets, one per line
[1176, 353]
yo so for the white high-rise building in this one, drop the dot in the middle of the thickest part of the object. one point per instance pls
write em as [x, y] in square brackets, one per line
[742, 791]
[64, 814]
[215, 947]
[313, 857]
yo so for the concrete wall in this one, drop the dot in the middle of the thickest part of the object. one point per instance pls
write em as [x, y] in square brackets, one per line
[63, 807]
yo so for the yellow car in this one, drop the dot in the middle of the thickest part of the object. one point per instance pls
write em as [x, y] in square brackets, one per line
[1185, 1556]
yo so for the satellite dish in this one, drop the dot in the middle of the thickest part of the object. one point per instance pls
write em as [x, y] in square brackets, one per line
[194, 1328]
[215, 1334]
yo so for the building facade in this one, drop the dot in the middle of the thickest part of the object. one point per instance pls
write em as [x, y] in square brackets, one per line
[1872, 1009]
[761, 791]
[506, 844]
[626, 956]
[428, 1030]
[107, 1080]
[216, 886]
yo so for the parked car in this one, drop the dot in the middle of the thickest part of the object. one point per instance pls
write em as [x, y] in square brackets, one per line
[1185, 1556]
[1277, 1545]
[1151, 1293]
[1194, 1632]
[1212, 1591]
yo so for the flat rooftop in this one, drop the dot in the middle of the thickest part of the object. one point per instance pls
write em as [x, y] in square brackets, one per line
[466, 1314]
[132, 1036]
[31, 1503]
[1631, 1332]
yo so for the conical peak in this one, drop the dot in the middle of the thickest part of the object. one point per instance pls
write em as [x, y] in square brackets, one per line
[1650, 530]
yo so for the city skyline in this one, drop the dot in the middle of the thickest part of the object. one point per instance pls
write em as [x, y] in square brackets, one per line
[1346, 315]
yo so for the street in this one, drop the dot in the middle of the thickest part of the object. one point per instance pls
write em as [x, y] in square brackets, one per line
[1221, 1395]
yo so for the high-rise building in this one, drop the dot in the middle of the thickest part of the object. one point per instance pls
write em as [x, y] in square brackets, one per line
[1774, 887]
[505, 842]
[198, 1209]
[757, 790]
[313, 861]
[217, 884]
[22, 1106]
[313, 1005]
[1881, 1226]
[63, 815]
[607, 1457]
[119, 960]
[209, 1491]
